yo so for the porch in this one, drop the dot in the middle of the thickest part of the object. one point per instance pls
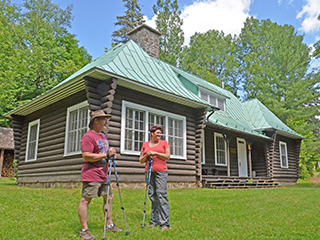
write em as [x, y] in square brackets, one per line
[223, 182]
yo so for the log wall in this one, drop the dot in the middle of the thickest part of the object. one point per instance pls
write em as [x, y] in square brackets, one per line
[51, 165]
[258, 159]
[130, 169]
[17, 123]
[257, 155]
[290, 174]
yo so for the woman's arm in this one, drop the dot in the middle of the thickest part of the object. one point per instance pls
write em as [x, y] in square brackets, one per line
[143, 157]
[164, 156]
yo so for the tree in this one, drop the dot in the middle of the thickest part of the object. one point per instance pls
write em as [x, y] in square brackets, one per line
[38, 52]
[213, 56]
[129, 21]
[316, 53]
[274, 66]
[169, 23]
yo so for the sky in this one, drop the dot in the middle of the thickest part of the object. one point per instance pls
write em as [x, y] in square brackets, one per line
[94, 20]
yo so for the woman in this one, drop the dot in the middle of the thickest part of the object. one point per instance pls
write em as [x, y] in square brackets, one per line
[159, 151]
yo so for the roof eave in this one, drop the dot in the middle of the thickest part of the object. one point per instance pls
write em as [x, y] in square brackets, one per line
[283, 133]
[239, 131]
[68, 88]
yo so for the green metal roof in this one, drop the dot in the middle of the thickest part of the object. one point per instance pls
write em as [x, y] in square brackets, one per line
[234, 117]
[199, 82]
[261, 118]
[130, 61]
[134, 69]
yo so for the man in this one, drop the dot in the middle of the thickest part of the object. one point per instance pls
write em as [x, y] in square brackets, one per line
[94, 173]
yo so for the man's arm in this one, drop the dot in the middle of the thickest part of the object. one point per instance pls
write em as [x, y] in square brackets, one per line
[96, 157]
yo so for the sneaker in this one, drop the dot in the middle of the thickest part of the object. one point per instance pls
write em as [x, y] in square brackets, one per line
[86, 235]
[152, 225]
[113, 229]
[164, 227]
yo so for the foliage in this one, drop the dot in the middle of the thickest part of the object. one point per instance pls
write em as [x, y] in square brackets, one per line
[274, 66]
[169, 23]
[33, 213]
[316, 53]
[37, 51]
[309, 150]
[132, 18]
[269, 62]
[213, 56]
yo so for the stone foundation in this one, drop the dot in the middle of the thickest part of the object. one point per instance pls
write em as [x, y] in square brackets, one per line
[127, 185]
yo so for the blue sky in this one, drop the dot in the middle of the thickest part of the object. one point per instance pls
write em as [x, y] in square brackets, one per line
[93, 22]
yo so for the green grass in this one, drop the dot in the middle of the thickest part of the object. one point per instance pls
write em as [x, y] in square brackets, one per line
[290, 212]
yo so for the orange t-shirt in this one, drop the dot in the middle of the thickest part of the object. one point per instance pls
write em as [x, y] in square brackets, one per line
[158, 164]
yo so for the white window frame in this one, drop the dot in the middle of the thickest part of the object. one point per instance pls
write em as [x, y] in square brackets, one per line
[70, 109]
[281, 154]
[212, 98]
[215, 150]
[36, 122]
[147, 110]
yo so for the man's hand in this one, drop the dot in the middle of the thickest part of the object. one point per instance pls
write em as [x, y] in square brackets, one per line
[112, 153]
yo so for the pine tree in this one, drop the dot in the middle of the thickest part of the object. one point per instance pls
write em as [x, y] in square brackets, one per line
[132, 18]
[169, 23]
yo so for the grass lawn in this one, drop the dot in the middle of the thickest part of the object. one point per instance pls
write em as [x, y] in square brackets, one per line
[291, 212]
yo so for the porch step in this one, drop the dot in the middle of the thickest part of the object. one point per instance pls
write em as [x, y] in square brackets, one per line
[237, 182]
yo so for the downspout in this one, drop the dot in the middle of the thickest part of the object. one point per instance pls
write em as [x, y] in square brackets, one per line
[213, 109]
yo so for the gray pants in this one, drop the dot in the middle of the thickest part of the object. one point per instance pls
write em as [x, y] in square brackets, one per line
[158, 195]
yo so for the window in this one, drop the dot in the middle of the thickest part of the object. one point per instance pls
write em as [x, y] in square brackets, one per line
[283, 155]
[220, 152]
[77, 126]
[213, 100]
[32, 141]
[136, 122]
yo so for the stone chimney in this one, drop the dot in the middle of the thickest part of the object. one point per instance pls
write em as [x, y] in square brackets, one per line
[148, 39]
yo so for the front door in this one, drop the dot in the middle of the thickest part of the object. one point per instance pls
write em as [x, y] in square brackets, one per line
[242, 157]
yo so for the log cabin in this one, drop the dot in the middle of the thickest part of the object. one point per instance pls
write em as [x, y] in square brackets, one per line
[215, 140]
[6, 152]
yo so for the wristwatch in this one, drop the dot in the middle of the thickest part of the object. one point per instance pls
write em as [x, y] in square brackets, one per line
[108, 157]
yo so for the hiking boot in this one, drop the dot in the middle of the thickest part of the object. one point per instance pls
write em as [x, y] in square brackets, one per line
[113, 229]
[86, 235]
[164, 227]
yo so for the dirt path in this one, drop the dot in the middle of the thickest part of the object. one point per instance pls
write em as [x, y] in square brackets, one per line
[315, 179]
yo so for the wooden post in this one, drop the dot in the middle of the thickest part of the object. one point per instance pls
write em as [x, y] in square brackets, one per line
[227, 139]
[1, 160]
[250, 164]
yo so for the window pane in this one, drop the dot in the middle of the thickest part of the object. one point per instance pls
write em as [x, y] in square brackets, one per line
[221, 104]
[204, 96]
[134, 132]
[77, 127]
[32, 144]
[220, 150]
[175, 136]
[156, 120]
[32, 150]
[213, 100]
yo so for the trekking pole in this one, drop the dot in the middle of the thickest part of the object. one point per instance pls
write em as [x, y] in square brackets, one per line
[124, 216]
[106, 210]
[147, 189]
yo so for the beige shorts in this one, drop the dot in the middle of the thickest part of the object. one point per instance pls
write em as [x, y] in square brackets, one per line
[95, 189]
